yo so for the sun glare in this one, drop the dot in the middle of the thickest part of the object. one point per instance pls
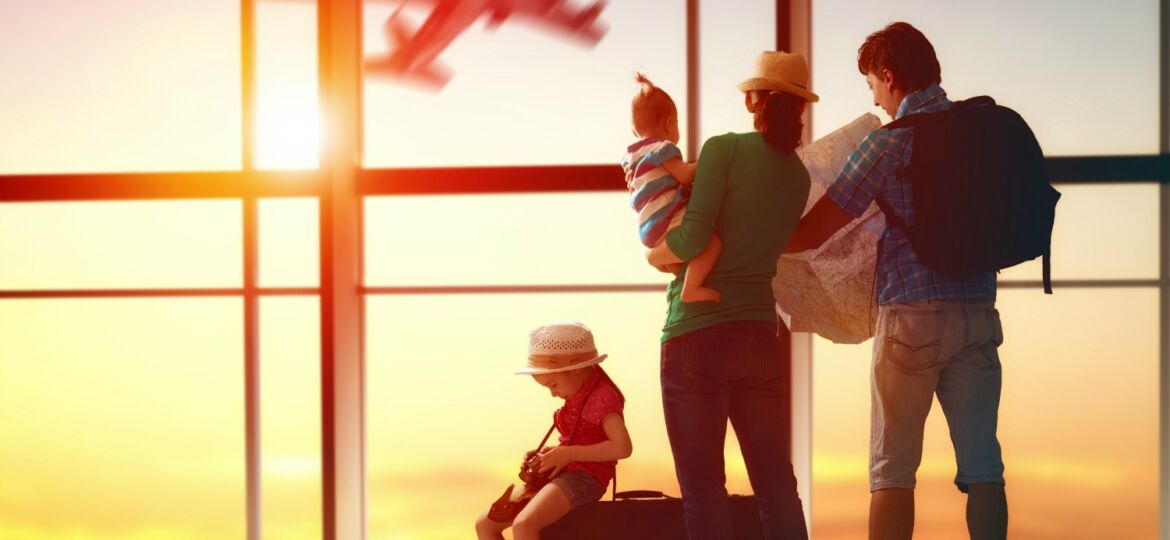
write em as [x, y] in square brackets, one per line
[287, 132]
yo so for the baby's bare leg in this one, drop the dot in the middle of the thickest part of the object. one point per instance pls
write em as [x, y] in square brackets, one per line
[661, 258]
[697, 272]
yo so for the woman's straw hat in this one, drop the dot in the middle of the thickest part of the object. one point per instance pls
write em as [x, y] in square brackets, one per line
[778, 70]
[561, 346]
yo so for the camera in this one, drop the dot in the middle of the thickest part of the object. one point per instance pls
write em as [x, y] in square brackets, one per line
[530, 472]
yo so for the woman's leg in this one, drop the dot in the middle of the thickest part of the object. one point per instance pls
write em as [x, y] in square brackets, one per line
[549, 505]
[758, 395]
[694, 402]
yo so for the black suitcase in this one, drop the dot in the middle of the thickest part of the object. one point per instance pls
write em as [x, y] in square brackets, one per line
[646, 515]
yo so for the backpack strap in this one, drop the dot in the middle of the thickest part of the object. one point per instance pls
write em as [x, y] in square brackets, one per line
[891, 217]
[910, 119]
[613, 492]
[906, 121]
[643, 494]
[977, 101]
[1047, 263]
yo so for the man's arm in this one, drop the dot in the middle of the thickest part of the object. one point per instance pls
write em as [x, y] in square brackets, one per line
[820, 224]
[856, 187]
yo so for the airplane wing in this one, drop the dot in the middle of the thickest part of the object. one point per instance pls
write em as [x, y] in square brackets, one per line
[414, 53]
[581, 24]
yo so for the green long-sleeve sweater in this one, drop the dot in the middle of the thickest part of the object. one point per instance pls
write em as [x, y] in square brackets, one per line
[752, 197]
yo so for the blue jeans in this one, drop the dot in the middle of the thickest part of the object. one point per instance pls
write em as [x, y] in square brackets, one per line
[733, 371]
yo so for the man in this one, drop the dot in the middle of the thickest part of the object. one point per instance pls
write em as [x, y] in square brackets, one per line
[936, 334]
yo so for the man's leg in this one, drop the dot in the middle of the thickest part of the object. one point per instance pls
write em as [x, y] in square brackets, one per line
[987, 512]
[969, 391]
[913, 343]
[891, 514]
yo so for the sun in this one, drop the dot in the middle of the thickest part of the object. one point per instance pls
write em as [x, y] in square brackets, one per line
[287, 130]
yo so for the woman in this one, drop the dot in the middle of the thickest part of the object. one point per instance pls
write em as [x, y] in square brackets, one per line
[722, 360]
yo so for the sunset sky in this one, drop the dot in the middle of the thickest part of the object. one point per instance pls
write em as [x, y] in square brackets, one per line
[122, 419]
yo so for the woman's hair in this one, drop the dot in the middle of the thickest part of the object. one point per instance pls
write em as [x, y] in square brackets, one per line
[904, 51]
[776, 115]
[651, 107]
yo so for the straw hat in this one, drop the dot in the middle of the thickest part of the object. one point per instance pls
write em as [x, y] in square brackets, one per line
[778, 70]
[561, 346]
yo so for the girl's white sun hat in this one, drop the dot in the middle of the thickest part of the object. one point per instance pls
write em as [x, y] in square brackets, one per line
[560, 346]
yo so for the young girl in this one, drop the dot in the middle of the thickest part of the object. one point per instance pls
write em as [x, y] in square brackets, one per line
[660, 181]
[563, 358]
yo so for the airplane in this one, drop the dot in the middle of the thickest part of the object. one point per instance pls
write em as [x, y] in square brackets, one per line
[414, 52]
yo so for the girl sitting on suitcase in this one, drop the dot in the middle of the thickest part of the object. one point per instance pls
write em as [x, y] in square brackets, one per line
[593, 436]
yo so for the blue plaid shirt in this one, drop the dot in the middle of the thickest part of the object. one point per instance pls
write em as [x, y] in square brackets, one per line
[872, 170]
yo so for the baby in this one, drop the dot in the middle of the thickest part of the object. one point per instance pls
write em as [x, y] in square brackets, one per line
[660, 182]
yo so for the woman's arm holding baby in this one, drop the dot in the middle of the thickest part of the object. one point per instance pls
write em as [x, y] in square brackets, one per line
[616, 446]
[686, 241]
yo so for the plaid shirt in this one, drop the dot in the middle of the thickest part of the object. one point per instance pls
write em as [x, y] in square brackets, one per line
[872, 170]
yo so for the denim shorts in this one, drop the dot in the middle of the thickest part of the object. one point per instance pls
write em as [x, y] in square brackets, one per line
[926, 348]
[580, 487]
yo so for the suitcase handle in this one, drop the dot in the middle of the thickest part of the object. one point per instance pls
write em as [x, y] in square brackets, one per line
[641, 494]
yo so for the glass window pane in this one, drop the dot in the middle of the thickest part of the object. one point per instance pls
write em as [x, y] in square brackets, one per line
[118, 86]
[1078, 424]
[286, 85]
[504, 239]
[732, 35]
[527, 92]
[289, 242]
[1024, 54]
[290, 418]
[453, 356]
[136, 244]
[122, 418]
[1101, 232]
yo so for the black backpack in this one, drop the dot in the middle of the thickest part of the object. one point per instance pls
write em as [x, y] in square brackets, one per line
[980, 191]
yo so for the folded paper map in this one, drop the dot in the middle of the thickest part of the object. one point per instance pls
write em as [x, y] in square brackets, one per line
[830, 290]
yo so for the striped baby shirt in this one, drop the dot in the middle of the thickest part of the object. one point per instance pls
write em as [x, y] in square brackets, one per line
[657, 195]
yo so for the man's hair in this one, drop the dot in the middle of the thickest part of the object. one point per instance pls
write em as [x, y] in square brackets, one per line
[651, 106]
[904, 51]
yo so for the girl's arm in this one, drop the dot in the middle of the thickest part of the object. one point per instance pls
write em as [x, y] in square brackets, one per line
[682, 171]
[616, 446]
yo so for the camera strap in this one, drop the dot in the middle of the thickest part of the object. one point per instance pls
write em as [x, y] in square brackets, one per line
[577, 424]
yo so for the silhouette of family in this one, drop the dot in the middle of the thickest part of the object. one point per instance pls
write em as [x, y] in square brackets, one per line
[940, 172]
